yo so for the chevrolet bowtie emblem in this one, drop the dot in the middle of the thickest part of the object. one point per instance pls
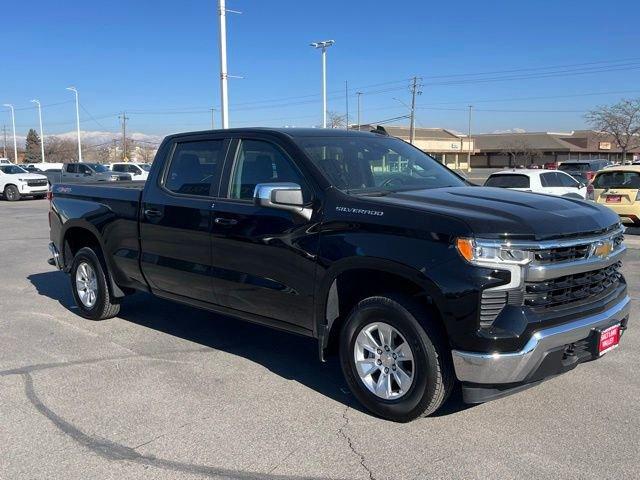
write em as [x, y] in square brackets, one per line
[603, 249]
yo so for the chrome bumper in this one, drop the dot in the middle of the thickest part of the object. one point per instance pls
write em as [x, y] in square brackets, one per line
[514, 367]
[55, 256]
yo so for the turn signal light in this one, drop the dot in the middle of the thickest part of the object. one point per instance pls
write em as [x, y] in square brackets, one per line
[465, 248]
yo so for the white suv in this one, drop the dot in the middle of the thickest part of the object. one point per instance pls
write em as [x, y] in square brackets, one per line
[15, 183]
[138, 171]
[550, 182]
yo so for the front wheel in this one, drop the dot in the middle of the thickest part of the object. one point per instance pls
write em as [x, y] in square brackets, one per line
[394, 358]
[12, 193]
[89, 286]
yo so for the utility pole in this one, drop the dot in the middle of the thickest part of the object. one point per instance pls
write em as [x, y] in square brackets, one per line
[415, 90]
[4, 145]
[115, 149]
[358, 94]
[124, 119]
[469, 140]
[346, 97]
[213, 119]
[13, 124]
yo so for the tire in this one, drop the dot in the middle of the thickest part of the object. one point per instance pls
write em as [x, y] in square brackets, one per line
[11, 193]
[431, 369]
[100, 305]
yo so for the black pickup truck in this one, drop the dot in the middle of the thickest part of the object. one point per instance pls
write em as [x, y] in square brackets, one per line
[416, 278]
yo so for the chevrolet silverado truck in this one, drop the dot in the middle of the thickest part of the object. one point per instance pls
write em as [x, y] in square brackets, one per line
[415, 278]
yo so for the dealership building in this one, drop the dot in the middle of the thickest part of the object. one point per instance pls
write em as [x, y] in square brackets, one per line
[497, 150]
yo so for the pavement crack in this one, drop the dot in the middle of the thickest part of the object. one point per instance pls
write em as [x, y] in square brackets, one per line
[345, 435]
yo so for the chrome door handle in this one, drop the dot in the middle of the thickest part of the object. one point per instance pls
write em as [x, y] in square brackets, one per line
[152, 213]
[225, 221]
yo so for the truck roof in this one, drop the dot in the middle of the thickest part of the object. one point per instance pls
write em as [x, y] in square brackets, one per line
[290, 132]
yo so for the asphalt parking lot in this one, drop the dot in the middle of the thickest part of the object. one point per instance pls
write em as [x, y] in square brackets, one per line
[166, 391]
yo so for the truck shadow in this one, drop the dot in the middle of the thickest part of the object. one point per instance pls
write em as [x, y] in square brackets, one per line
[287, 355]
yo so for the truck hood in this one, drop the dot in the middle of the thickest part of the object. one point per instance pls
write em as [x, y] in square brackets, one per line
[28, 176]
[502, 213]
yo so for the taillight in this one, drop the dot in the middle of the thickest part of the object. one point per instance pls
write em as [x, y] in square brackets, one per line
[590, 192]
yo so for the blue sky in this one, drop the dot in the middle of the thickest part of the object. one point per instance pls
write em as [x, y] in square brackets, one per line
[158, 61]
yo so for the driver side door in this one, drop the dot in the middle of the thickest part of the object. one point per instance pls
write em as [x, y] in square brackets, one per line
[264, 258]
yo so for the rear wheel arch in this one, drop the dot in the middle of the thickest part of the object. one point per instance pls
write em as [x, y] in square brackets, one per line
[350, 285]
[76, 237]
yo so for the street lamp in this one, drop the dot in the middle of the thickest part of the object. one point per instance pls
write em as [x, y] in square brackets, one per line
[324, 45]
[74, 90]
[37, 102]
[13, 125]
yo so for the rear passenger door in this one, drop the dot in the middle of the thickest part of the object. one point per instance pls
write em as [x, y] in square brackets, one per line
[175, 223]
[264, 259]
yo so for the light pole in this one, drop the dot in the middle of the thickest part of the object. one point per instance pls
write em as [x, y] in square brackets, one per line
[324, 45]
[224, 94]
[74, 90]
[358, 96]
[13, 125]
[37, 102]
[469, 140]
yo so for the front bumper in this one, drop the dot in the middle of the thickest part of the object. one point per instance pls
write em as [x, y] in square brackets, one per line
[522, 367]
[33, 190]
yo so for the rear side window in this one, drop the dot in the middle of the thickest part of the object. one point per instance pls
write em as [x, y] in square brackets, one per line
[617, 180]
[195, 168]
[72, 168]
[118, 168]
[508, 181]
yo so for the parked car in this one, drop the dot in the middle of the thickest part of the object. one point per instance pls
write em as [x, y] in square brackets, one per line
[551, 182]
[619, 189]
[551, 166]
[138, 171]
[90, 172]
[41, 166]
[364, 242]
[583, 170]
[15, 183]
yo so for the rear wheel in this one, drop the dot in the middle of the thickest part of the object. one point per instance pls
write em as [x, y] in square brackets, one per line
[89, 285]
[394, 358]
[11, 193]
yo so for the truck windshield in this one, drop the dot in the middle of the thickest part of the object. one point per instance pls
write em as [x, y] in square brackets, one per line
[366, 164]
[12, 169]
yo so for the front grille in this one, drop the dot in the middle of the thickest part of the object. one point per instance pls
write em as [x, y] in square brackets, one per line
[491, 304]
[37, 183]
[568, 254]
[572, 288]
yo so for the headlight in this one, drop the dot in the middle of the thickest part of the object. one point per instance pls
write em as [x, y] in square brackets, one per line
[488, 253]
[23, 180]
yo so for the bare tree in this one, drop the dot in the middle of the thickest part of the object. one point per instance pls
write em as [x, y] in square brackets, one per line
[336, 120]
[146, 153]
[60, 150]
[621, 121]
[520, 148]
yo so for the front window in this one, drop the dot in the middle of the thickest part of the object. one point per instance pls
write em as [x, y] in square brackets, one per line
[145, 166]
[12, 169]
[368, 164]
[99, 168]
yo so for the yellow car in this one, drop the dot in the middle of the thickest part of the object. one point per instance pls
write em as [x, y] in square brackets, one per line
[619, 189]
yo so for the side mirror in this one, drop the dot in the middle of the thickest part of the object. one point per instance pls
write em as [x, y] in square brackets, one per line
[281, 196]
